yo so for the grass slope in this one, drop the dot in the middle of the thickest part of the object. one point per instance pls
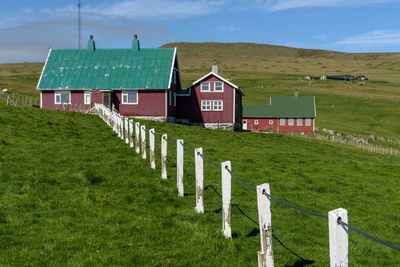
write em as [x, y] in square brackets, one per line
[72, 193]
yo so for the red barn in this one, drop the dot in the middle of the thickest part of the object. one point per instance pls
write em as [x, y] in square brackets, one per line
[138, 82]
[283, 114]
[212, 101]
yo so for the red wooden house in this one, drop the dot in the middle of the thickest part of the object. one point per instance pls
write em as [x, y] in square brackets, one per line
[138, 82]
[212, 101]
[283, 114]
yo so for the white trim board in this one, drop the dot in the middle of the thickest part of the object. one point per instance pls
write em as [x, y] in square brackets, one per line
[219, 77]
[44, 67]
[172, 69]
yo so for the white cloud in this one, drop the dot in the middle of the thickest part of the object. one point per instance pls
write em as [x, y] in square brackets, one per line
[279, 5]
[229, 28]
[372, 39]
[145, 9]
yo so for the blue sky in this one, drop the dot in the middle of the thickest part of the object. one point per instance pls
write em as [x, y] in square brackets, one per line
[28, 28]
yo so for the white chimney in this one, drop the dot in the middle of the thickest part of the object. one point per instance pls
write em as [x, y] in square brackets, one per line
[214, 68]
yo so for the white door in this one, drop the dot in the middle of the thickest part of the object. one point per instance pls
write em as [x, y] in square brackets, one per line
[244, 126]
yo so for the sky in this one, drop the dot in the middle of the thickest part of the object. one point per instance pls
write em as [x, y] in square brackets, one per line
[28, 28]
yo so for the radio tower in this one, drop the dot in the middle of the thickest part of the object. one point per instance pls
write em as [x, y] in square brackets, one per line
[79, 24]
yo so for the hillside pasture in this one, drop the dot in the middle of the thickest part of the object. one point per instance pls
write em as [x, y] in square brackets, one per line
[73, 193]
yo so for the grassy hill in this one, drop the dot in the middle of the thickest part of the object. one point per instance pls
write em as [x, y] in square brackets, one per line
[72, 193]
[264, 70]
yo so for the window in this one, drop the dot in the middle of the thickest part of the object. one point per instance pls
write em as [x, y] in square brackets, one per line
[86, 97]
[308, 122]
[62, 97]
[255, 122]
[206, 105]
[170, 98]
[174, 77]
[282, 122]
[271, 122]
[291, 122]
[299, 122]
[129, 97]
[205, 87]
[218, 86]
[218, 105]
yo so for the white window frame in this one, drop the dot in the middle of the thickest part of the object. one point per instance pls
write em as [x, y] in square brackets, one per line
[206, 107]
[222, 87]
[282, 122]
[202, 87]
[58, 93]
[125, 93]
[86, 95]
[255, 122]
[308, 122]
[299, 122]
[290, 122]
[271, 122]
[220, 107]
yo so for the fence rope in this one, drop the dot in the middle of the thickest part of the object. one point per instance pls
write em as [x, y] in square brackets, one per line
[209, 160]
[187, 148]
[368, 235]
[241, 180]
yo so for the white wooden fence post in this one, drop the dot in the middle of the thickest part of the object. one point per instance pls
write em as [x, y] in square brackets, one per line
[118, 125]
[179, 166]
[199, 180]
[164, 146]
[152, 148]
[137, 136]
[338, 238]
[131, 133]
[126, 130]
[121, 127]
[143, 136]
[265, 256]
[226, 199]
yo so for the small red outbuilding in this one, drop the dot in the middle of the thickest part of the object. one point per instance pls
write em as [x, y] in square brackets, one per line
[283, 114]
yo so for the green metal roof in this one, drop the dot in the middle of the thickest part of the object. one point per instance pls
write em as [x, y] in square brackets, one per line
[70, 69]
[282, 107]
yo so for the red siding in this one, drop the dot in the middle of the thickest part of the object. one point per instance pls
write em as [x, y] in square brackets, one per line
[263, 124]
[97, 97]
[77, 101]
[150, 103]
[189, 107]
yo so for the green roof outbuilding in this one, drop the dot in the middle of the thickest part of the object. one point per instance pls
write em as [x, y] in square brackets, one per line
[135, 68]
[282, 107]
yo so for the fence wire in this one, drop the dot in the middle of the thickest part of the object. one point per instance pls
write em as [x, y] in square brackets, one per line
[368, 235]
[174, 141]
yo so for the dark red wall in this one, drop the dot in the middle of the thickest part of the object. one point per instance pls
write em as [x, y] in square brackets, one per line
[97, 97]
[150, 103]
[77, 101]
[189, 107]
[263, 123]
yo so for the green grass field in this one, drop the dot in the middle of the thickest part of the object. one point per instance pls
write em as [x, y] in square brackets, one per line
[72, 193]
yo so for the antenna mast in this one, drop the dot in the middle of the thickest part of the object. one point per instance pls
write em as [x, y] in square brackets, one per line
[79, 24]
